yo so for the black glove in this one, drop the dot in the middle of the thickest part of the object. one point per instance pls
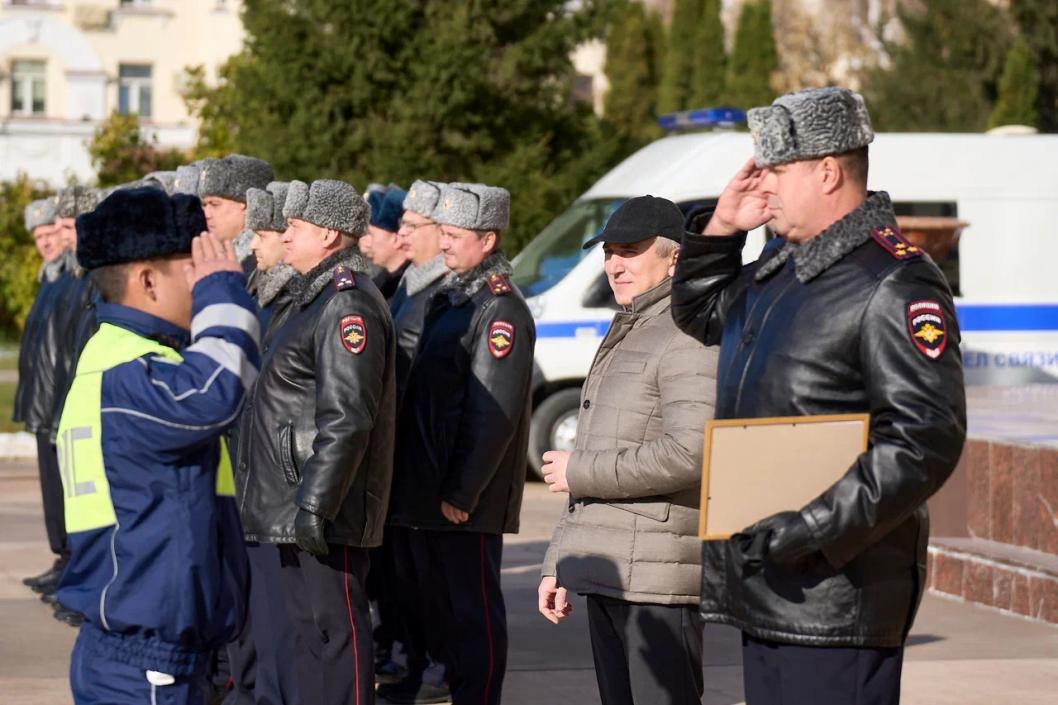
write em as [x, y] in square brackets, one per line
[309, 533]
[789, 540]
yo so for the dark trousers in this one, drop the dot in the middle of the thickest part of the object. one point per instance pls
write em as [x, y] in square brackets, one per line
[786, 674]
[326, 601]
[380, 588]
[403, 581]
[646, 654]
[51, 493]
[459, 576]
[274, 639]
[97, 680]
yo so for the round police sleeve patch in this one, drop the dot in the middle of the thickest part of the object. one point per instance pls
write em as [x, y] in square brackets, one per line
[501, 339]
[353, 332]
[928, 328]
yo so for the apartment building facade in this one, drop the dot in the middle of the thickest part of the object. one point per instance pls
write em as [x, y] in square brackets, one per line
[65, 65]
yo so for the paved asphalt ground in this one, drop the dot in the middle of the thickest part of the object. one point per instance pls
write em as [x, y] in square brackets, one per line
[958, 654]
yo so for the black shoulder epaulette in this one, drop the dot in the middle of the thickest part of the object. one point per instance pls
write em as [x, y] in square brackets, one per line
[344, 278]
[893, 242]
[499, 284]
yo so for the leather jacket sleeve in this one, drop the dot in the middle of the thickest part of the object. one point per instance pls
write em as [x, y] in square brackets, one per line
[918, 420]
[702, 285]
[349, 392]
[670, 463]
[494, 399]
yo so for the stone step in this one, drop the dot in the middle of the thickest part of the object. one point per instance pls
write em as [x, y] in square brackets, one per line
[1012, 579]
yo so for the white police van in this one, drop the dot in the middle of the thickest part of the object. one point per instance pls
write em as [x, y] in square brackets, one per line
[1003, 269]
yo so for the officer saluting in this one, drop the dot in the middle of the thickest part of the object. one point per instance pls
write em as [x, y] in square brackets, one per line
[157, 566]
[318, 446]
[463, 432]
[840, 314]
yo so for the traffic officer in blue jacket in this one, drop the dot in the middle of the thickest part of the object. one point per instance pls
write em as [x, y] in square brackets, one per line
[157, 563]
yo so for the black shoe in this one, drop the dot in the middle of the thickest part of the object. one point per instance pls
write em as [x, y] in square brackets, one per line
[412, 692]
[69, 617]
[51, 575]
[389, 671]
[50, 598]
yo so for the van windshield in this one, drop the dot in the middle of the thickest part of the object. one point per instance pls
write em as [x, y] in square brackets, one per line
[557, 249]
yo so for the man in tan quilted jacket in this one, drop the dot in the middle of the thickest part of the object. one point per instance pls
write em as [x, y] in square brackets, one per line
[627, 539]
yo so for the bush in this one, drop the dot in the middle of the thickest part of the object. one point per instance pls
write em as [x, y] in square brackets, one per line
[21, 263]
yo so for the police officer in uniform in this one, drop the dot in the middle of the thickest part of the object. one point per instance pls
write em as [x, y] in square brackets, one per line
[157, 563]
[840, 314]
[222, 186]
[264, 217]
[40, 223]
[420, 240]
[265, 651]
[387, 256]
[462, 438]
[318, 447]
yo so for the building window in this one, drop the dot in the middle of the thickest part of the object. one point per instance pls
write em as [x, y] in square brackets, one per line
[27, 88]
[134, 90]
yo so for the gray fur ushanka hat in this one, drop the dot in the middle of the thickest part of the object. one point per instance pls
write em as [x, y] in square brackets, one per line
[264, 207]
[473, 206]
[163, 180]
[38, 213]
[73, 201]
[809, 124]
[186, 180]
[328, 203]
[232, 176]
[422, 197]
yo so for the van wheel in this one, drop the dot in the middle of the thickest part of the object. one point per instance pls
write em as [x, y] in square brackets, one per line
[554, 426]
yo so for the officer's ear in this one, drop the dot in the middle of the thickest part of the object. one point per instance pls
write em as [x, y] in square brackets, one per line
[831, 175]
[142, 281]
[331, 237]
[490, 240]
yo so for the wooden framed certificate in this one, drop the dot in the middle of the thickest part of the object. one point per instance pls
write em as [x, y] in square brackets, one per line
[753, 468]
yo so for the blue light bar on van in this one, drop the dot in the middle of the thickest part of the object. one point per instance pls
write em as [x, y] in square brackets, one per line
[703, 117]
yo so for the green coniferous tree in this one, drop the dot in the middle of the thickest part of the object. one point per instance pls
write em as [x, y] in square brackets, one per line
[943, 75]
[1038, 22]
[754, 57]
[710, 59]
[631, 100]
[675, 90]
[1018, 89]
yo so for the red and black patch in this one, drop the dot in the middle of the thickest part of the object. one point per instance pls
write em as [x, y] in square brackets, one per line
[928, 328]
[353, 332]
[501, 339]
[344, 278]
[894, 242]
[499, 284]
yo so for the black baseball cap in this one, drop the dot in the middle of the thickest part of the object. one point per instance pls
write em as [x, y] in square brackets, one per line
[641, 218]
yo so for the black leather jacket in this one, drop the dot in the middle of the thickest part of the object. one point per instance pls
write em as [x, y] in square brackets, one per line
[855, 320]
[464, 421]
[408, 307]
[29, 353]
[52, 342]
[317, 432]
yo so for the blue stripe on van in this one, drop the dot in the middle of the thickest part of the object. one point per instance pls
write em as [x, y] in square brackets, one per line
[981, 318]
[1008, 317]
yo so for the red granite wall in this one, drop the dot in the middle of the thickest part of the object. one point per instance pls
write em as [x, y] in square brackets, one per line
[995, 530]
